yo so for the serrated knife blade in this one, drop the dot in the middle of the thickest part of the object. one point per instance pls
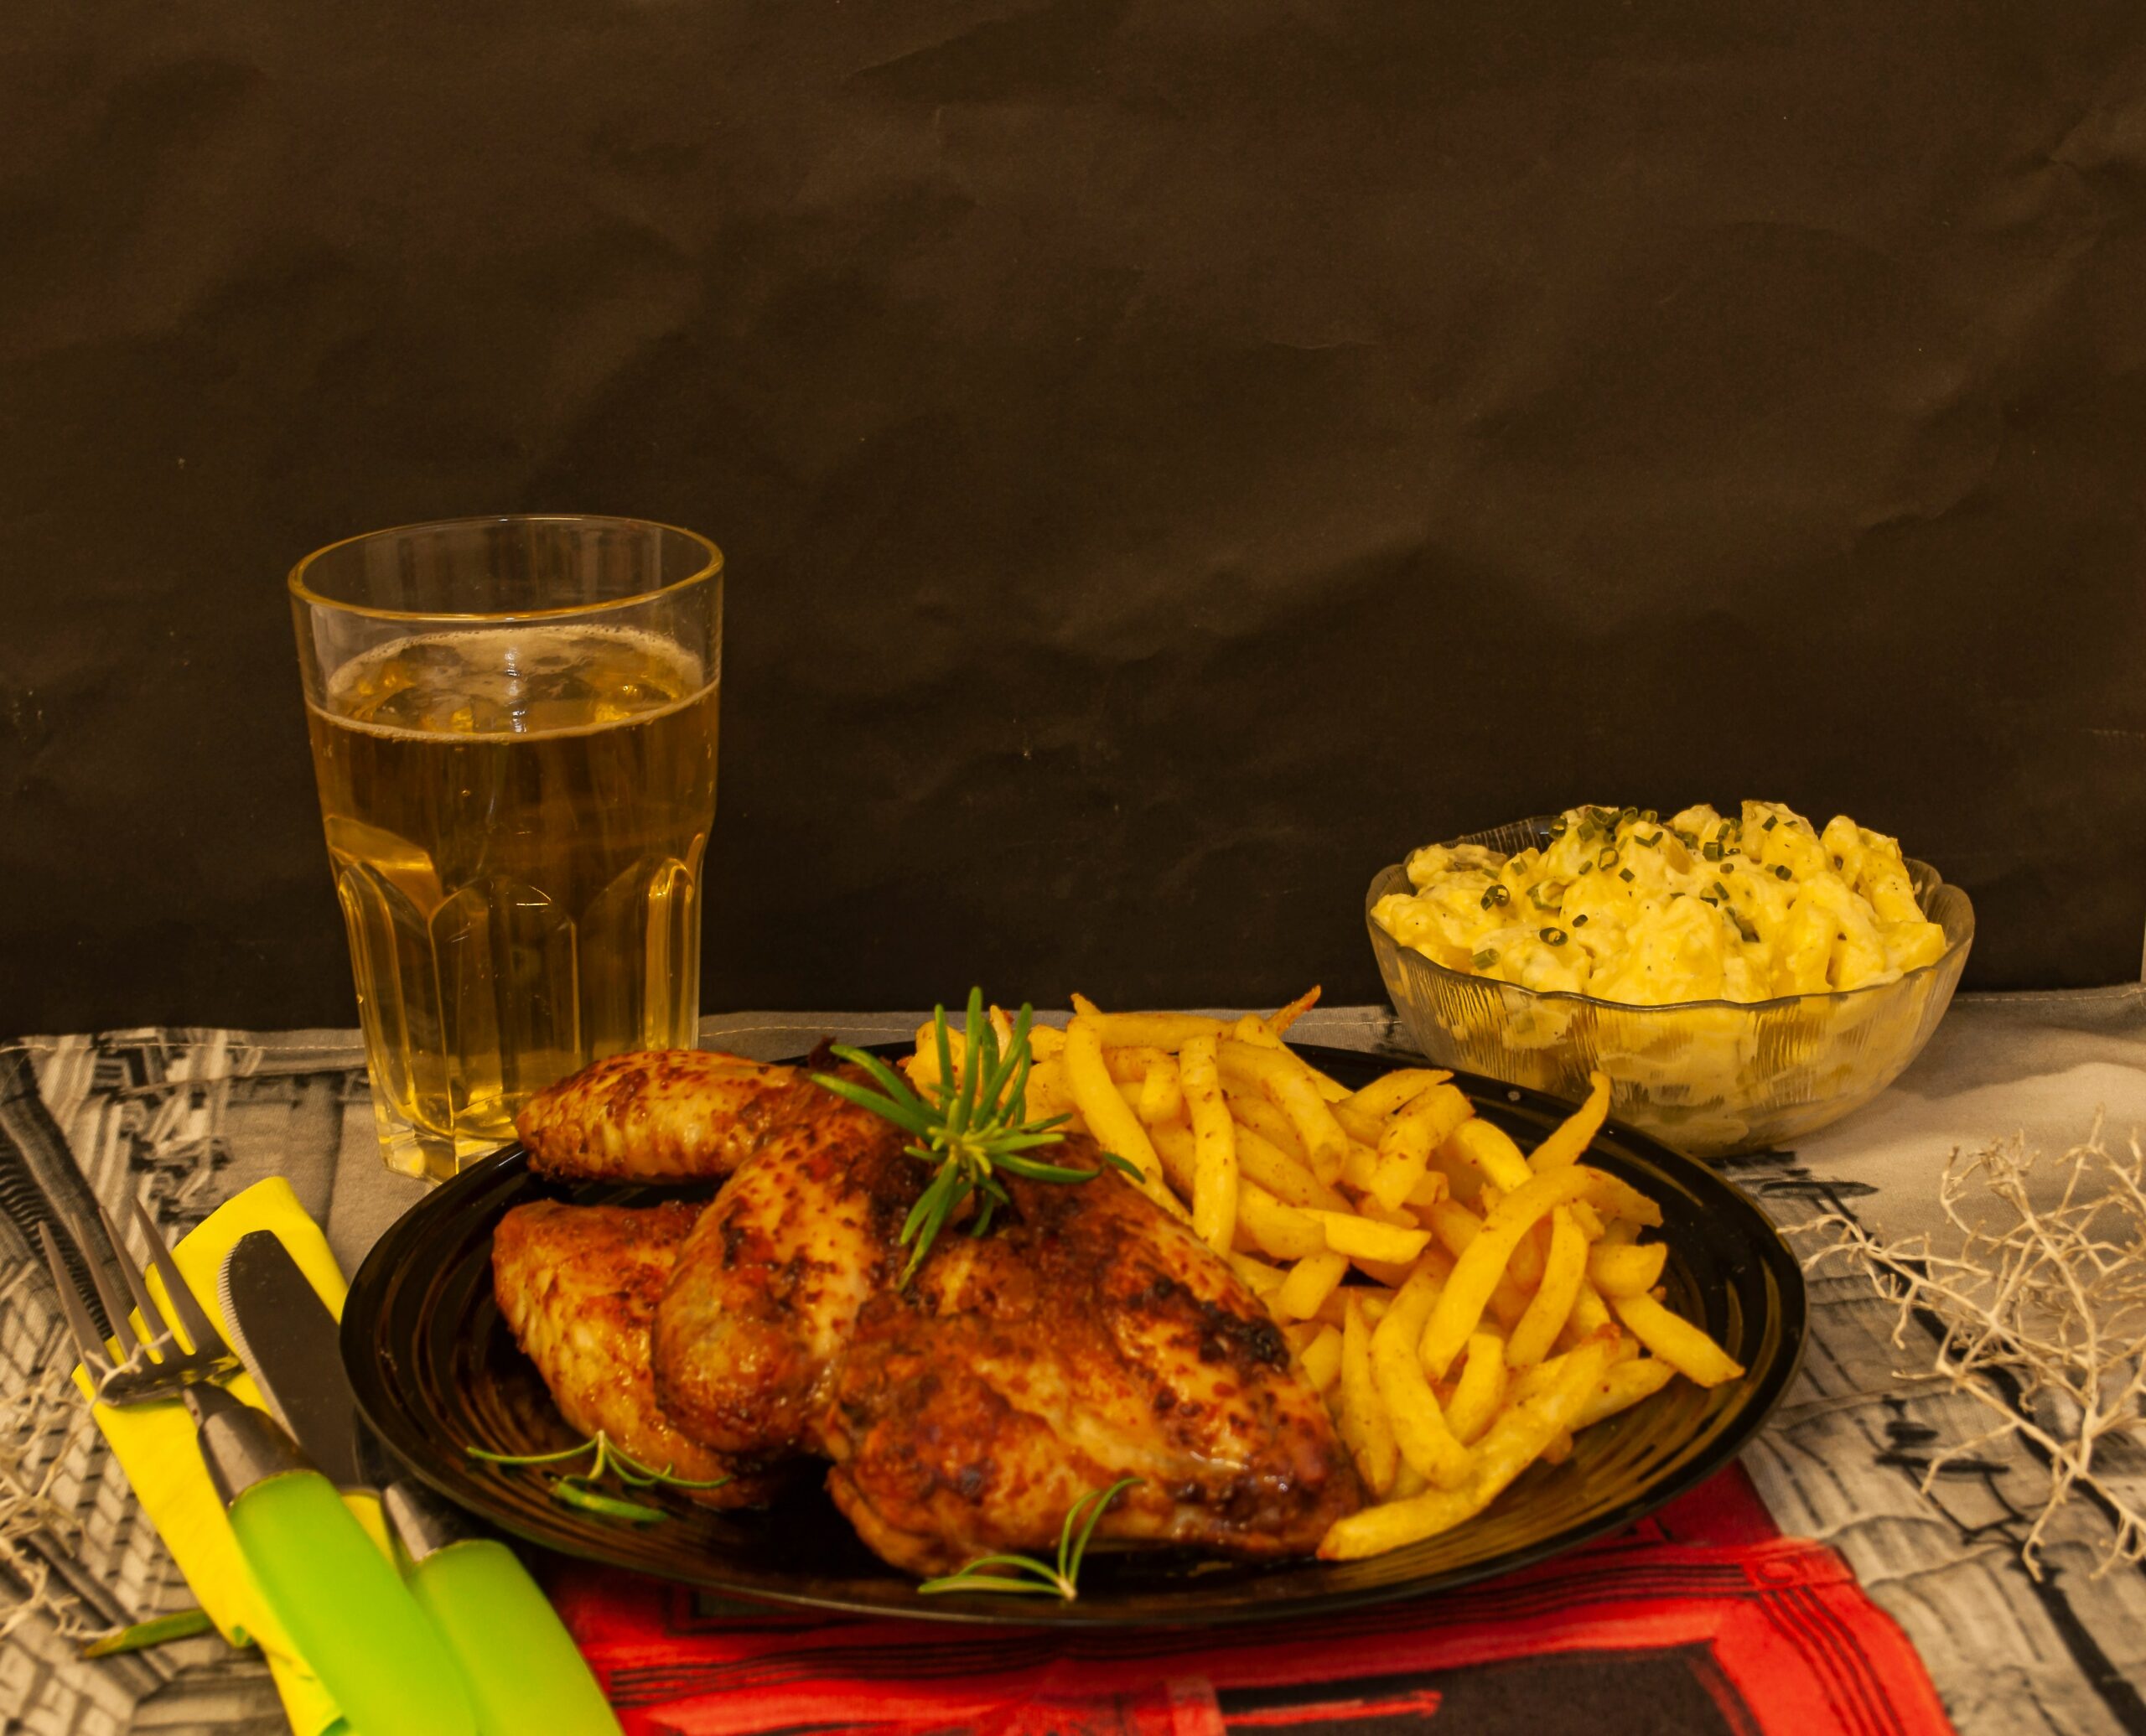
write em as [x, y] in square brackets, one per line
[288, 1340]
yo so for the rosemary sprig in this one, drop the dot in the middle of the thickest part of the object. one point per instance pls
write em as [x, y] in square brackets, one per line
[1060, 1581]
[578, 1489]
[974, 1129]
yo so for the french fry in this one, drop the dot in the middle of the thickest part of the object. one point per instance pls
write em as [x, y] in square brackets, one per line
[1251, 1109]
[1476, 1273]
[1215, 1143]
[1252, 1029]
[1590, 1314]
[1287, 1084]
[1282, 1233]
[1364, 1425]
[1676, 1341]
[1626, 1271]
[1287, 1016]
[1128, 1062]
[1399, 1216]
[1404, 1157]
[1367, 1238]
[1563, 1271]
[1364, 1130]
[1567, 1142]
[1490, 1151]
[1514, 1440]
[1405, 1147]
[1419, 1426]
[1047, 1093]
[1620, 1232]
[1321, 1358]
[1481, 1389]
[1109, 1118]
[1282, 1175]
[1525, 1383]
[1143, 1030]
[1456, 1228]
[1310, 1282]
[1259, 1277]
[1286, 1180]
[1162, 1096]
[1392, 1091]
[1622, 1386]
[1621, 1200]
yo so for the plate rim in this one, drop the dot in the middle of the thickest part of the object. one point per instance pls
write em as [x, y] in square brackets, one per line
[368, 1360]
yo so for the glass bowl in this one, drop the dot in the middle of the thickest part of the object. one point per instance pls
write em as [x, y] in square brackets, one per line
[1708, 1077]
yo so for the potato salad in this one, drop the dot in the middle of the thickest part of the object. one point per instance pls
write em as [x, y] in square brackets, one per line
[1624, 906]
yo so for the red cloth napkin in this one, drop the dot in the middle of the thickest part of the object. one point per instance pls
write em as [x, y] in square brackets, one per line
[1701, 1619]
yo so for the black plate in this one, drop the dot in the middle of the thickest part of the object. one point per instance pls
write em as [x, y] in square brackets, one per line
[436, 1371]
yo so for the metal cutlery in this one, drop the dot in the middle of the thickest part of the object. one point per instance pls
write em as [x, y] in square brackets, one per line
[352, 1619]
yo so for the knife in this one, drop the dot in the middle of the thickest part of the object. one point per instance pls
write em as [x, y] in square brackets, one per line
[525, 1674]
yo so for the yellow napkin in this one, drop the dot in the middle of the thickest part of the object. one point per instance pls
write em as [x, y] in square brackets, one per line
[155, 1445]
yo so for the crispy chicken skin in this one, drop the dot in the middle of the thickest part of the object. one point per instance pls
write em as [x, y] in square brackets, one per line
[1089, 1337]
[661, 1114]
[770, 1283]
[578, 1285]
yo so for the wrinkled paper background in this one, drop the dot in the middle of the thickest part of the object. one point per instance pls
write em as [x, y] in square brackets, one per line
[1173, 458]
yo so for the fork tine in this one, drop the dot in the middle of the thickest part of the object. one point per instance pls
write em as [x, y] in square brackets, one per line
[87, 1339]
[114, 1310]
[132, 1273]
[206, 1340]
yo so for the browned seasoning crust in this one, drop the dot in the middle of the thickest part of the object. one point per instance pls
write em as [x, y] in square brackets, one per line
[578, 1285]
[666, 1114]
[770, 1282]
[1089, 1337]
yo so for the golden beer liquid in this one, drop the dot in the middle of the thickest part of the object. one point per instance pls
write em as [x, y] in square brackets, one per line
[516, 816]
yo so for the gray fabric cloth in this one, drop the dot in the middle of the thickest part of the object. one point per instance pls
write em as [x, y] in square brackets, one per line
[183, 1119]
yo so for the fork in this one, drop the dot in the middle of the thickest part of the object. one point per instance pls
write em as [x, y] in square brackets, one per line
[338, 1598]
[157, 1366]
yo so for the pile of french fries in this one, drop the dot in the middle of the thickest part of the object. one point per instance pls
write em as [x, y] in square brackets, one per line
[1463, 1307]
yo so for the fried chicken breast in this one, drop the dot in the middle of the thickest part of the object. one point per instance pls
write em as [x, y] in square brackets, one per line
[1090, 1336]
[660, 1115]
[577, 1285]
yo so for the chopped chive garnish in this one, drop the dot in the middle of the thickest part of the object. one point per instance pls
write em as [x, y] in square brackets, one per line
[1652, 843]
[1555, 936]
[1580, 921]
[1838, 863]
[1728, 867]
[1711, 849]
[1606, 857]
[1770, 823]
[1487, 958]
[1781, 872]
[1648, 815]
[1625, 875]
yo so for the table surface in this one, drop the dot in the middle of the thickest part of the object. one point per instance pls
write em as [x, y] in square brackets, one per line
[183, 1119]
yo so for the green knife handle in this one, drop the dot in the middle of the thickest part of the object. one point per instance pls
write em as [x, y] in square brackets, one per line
[347, 1611]
[523, 1667]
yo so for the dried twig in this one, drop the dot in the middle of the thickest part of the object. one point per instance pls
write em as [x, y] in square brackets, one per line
[2053, 1299]
[29, 1467]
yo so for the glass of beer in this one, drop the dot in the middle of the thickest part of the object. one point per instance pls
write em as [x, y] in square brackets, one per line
[514, 728]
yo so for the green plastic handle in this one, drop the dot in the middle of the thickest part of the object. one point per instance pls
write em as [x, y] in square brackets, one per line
[347, 1611]
[523, 1667]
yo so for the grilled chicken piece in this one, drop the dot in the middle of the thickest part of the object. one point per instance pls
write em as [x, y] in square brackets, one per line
[578, 1285]
[770, 1282]
[1089, 1337]
[663, 1115]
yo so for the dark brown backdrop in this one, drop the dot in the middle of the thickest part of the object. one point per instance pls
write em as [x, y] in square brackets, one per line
[1172, 456]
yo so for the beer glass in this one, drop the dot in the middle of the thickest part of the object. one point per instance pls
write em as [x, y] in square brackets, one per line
[514, 729]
